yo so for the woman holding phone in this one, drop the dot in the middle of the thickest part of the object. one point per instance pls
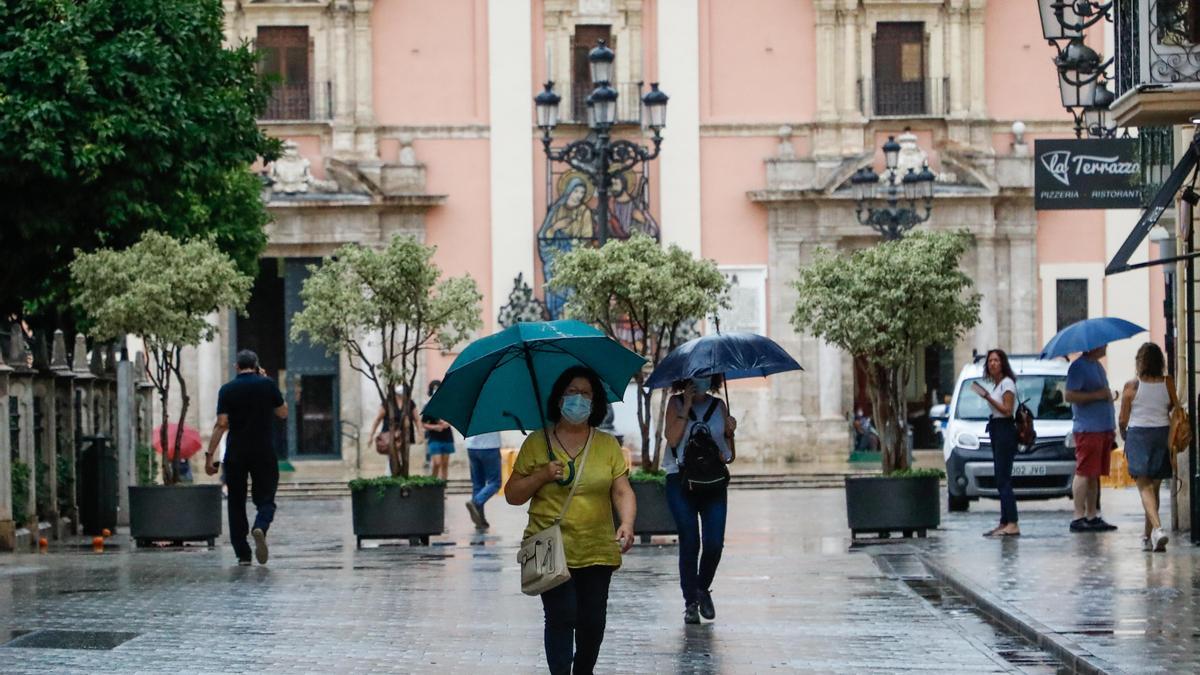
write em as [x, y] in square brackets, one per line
[999, 389]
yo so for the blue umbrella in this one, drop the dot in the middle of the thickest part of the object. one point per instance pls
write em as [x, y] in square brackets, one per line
[734, 355]
[503, 381]
[1086, 335]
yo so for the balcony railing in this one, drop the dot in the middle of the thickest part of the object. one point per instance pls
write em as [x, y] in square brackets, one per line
[919, 98]
[1156, 154]
[299, 101]
[573, 109]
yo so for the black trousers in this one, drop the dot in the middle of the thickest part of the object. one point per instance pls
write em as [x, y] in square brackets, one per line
[262, 470]
[575, 616]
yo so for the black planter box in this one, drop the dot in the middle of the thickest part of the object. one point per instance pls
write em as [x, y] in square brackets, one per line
[653, 516]
[414, 513]
[885, 505]
[175, 513]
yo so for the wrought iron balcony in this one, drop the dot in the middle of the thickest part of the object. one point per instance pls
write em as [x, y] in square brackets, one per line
[928, 97]
[573, 109]
[1156, 155]
[299, 101]
[1157, 61]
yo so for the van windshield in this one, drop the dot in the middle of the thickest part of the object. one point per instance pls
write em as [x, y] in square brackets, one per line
[1044, 394]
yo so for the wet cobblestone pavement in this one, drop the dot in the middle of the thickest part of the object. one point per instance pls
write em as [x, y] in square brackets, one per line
[1139, 612]
[790, 596]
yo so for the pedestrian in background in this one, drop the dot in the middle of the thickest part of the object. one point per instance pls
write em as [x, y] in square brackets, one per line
[1094, 428]
[404, 412]
[576, 612]
[1145, 425]
[246, 408]
[439, 440]
[699, 519]
[999, 389]
[483, 453]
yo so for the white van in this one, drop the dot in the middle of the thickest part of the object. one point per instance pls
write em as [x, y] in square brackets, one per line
[1042, 471]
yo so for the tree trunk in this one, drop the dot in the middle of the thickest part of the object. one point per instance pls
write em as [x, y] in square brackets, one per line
[163, 366]
[887, 387]
[661, 430]
[183, 397]
[644, 413]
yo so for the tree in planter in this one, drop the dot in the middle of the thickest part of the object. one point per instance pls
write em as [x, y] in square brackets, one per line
[883, 303]
[392, 295]
[644, 296]
[161, 290]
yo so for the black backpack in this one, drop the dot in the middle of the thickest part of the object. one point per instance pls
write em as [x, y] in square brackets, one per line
[703, 470]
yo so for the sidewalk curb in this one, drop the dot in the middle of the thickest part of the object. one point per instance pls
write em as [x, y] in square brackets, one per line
[1070, 653]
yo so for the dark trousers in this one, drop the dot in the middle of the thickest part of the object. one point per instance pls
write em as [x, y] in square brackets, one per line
[263, 471]
[701, 525]
[1003, 433]
[575, 615]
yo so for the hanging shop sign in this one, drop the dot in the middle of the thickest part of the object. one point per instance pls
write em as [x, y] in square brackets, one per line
[1092, 173]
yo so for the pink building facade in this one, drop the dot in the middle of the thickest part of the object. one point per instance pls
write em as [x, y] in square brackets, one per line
[416, 117]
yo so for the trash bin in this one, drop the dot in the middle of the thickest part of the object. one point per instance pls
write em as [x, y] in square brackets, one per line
[97, 485]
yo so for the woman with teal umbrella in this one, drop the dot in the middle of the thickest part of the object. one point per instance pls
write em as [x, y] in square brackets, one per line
[556, 377]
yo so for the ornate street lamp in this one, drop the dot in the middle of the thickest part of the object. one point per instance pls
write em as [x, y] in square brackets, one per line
[598, 156]
[891, 209]
[1080, 68]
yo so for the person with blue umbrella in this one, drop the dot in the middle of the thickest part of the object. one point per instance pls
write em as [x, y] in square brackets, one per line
[1091, 400]
[700, 440]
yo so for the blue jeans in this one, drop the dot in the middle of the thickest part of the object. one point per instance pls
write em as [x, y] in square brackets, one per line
[1003, 433]
[701, 525]
[485, 474]
[576, 613]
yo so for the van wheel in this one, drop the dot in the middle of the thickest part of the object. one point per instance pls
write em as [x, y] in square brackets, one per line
[958, 504]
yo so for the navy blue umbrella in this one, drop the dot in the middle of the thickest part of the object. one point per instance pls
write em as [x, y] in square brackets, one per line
[734, 355]
[1086, 335]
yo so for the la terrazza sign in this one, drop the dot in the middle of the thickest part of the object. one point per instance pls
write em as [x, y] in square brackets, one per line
[1087, 174]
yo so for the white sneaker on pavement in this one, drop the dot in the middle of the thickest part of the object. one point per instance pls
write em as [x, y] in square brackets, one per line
[1146, 546]
[1159, 539]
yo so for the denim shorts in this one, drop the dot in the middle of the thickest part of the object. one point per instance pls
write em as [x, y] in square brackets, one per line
[441, 447]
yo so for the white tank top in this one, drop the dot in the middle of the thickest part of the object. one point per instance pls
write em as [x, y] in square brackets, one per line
[1151, 406]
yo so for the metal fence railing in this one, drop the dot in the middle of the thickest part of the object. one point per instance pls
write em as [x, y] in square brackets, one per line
[929, 97]
[299, 101]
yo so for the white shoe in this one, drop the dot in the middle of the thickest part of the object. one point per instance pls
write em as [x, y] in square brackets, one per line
[1160, 539]
[1146, 546]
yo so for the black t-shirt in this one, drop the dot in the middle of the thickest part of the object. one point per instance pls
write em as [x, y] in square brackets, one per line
[250, 401]
[447, 435]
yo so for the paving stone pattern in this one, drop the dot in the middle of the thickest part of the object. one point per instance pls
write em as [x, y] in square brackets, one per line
[790, 596]
[1138, 611]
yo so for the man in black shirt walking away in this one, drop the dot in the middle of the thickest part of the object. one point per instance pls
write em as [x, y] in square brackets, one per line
[247, 407]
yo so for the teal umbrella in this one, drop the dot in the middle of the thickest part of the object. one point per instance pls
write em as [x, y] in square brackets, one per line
[503, 381]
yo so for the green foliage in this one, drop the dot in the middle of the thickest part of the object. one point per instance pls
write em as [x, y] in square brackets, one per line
[147, 465]
[882, 304]
[381, 483]
[395, 298]
[117, 117]
[916, 473]
[642, 476]
[20, 491]
[642, 295]
[160, 289]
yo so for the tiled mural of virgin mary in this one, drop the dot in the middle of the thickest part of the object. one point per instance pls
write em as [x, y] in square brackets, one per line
[572, 220]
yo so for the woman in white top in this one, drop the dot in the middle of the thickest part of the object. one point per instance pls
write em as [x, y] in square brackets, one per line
[999, 388]
[1145, 425]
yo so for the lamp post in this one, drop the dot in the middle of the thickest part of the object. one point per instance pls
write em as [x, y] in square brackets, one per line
[893, 209]
[598, 156]
[1081, 74]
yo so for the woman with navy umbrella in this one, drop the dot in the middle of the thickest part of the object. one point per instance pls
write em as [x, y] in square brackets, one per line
[699, 517]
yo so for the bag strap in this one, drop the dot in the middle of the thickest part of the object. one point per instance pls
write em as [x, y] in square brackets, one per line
[1171, 392]
[712, 408]
[578, 476]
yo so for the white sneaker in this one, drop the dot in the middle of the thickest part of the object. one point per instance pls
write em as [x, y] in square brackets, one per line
[1146, 544]
[1160, 539]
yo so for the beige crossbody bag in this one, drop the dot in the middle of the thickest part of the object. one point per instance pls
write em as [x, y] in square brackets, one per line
[542, 557]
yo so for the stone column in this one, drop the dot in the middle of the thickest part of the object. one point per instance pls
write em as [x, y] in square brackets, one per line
[958, 70]
[46, 439]
[987, 332]
[125, 434]
[144, 410]
[65, 423]
[976, 59]
[851, 73]
[7, 527]
[825, 138]
[343, 82]
[364, 105]
[85, 382]
[21, 392]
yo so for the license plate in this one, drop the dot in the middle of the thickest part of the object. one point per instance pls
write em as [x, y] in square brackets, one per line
[1029, 470]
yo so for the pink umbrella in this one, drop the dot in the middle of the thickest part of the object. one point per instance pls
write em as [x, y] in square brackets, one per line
[191, 441]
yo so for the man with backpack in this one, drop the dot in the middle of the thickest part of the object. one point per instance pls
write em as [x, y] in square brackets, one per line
[700, 435]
